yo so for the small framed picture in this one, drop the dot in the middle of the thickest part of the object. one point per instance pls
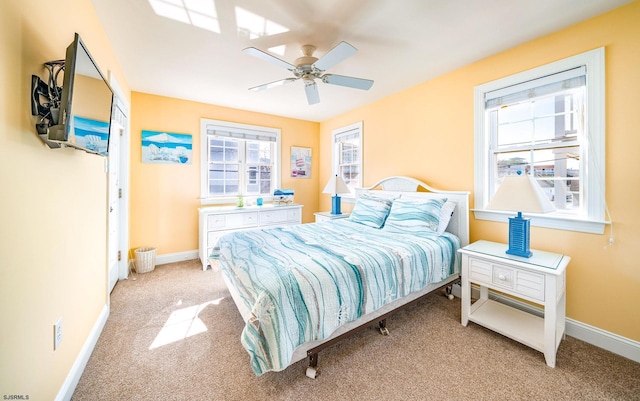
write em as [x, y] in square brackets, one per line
[300, 162]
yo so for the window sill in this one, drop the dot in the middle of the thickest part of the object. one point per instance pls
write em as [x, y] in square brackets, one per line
[556, 221]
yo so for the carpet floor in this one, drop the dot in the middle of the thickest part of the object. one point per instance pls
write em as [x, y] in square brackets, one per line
[174, 334]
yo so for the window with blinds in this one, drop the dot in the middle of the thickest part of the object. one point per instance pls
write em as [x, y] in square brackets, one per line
[238, 159]
[347, 155]
[547, 122]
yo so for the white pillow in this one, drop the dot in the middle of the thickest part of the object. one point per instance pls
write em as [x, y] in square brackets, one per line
[445, 215]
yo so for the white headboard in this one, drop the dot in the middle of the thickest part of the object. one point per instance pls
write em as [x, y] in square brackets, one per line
[407, 187]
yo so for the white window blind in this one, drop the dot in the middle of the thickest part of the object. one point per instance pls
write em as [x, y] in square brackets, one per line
[543, 86]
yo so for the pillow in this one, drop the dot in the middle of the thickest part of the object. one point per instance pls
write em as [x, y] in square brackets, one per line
[412, 215]
[370, 210]
[445, 215]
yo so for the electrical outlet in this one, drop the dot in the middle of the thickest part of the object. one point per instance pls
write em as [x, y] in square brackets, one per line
[57, 334]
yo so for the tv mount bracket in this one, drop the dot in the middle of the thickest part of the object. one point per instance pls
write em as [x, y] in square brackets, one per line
[45, 100]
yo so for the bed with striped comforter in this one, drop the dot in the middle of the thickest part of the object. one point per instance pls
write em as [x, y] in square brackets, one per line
[300, 283]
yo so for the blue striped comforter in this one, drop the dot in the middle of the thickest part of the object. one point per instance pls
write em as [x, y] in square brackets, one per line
[302, 282]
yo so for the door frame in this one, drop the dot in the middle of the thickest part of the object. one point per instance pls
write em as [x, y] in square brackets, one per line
[121, 102]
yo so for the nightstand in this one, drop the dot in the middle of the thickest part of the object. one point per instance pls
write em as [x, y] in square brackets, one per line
[325, 216]
[540, 279]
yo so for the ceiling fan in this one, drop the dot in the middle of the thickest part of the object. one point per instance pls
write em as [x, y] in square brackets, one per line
[308, 68]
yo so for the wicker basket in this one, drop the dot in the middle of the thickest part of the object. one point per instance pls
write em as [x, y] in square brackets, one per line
[145, 259]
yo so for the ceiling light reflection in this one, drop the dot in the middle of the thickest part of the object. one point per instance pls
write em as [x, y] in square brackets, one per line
[255, 26]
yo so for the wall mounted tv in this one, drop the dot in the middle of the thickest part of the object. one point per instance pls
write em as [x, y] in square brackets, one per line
[78, 115]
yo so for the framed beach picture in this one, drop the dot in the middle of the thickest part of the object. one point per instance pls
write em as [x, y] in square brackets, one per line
[166, 147]
[300, 162]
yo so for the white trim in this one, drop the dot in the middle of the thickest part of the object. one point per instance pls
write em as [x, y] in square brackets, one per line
[73, 377]
[594, 185]
[125, 151]
[595, 336]
[548, 221]
[176, 257]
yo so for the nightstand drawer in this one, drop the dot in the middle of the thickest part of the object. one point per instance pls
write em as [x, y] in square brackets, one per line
[503, 276]
[520, 282]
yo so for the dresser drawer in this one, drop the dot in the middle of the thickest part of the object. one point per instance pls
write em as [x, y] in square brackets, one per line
[273, 217]
[517, 281]
[231, 220]
[294, 215]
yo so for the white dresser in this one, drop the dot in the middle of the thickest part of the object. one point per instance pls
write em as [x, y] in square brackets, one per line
[216, 221]
[540, 279]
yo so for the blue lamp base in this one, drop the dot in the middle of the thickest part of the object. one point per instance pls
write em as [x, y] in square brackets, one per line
[335, 205]
[519, 229]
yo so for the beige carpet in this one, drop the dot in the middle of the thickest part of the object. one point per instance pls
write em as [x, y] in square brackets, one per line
[428, 354]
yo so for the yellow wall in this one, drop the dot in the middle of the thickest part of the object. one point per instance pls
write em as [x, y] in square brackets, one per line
[52, 208]
[427, 132]
[165, 198]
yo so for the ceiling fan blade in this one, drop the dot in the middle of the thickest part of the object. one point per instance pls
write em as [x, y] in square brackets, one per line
[273, 84]
[342, 51]
[311, 89]
[268, 57]
[351, 82]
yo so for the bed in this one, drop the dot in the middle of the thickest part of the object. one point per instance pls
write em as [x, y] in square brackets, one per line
[302, 288]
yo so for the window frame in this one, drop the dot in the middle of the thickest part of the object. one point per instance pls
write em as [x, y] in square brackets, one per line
[209, 125]
[335, 156]
[593, 168]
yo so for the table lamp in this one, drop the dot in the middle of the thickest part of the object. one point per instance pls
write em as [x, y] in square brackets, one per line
[520, 193]
[336, 186]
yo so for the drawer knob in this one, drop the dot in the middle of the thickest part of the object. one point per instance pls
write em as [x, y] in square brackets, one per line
[502, 277]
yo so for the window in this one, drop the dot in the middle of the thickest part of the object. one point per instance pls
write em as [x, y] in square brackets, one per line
[547, 122]
[347, 155]
[238, 159]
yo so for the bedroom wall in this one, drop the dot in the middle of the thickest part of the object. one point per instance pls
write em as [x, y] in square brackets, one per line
[52, 208]
[165, 198]
[427, 132]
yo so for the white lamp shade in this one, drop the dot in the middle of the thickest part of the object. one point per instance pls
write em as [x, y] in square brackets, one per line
[336, 185]
[520, 193]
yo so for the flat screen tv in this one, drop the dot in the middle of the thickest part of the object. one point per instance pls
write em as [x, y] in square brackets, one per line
[85, 104]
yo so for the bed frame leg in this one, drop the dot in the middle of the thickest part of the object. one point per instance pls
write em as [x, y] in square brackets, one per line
[312, 370]
[449, 289]
[382, 327]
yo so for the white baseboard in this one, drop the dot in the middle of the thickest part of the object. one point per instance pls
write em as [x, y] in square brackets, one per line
[611, 342]
[70, 383]
[176, 257]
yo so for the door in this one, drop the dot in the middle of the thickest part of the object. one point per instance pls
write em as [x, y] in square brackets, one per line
[114, 252]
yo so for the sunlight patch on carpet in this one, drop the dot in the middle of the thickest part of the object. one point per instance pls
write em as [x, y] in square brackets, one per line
[182, 323]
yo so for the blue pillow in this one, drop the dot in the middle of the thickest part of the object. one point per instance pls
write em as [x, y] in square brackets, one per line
[412, 215]
[371, 211]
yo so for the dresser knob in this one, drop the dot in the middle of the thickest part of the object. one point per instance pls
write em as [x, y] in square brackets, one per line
[502, 277]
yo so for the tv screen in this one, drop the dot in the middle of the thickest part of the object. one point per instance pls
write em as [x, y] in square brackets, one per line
[85, 104]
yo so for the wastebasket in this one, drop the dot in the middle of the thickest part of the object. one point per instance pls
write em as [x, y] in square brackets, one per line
[145, 259]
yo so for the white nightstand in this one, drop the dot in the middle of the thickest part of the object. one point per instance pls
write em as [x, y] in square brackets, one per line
[540, 279]
[324, 216]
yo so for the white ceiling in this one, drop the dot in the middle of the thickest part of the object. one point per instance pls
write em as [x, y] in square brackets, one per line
[400, 43]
